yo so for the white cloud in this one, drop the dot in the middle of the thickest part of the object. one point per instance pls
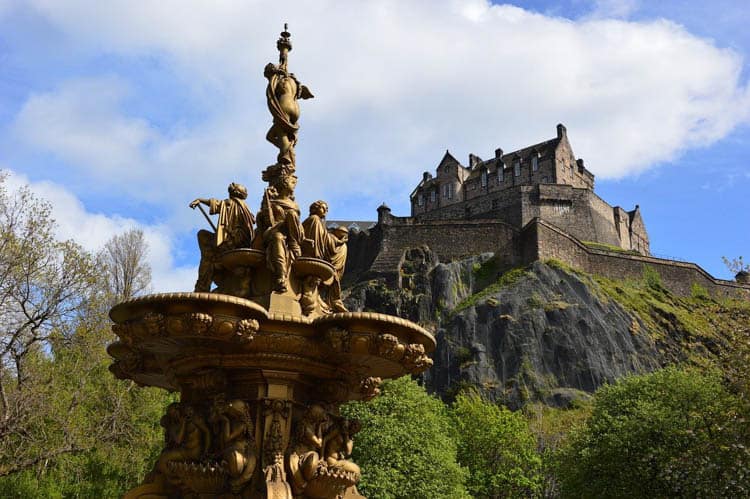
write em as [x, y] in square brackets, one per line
[396, 82]
[93, 230]
[82, 122]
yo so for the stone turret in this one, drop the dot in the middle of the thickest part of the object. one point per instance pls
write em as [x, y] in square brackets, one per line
[384, 214]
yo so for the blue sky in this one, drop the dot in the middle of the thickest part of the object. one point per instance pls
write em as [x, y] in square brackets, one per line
[122, 112]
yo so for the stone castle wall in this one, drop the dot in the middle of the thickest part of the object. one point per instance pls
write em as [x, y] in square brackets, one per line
[679, 277]
[578, 211]
[380, 253]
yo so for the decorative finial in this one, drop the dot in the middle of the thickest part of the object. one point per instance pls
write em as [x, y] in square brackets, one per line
[284, 44]
[282, 94]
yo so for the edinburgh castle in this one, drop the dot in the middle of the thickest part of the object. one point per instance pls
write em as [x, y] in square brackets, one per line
[535, 203]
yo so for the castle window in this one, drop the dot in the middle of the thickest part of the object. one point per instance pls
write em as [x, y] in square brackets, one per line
[517, 168]
[535, 162]
[448, 191]
[420, 199]
[500, 174]
[484, 178]
[433, 195]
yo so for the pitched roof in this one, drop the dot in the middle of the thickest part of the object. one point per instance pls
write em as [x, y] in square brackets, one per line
[543, 148]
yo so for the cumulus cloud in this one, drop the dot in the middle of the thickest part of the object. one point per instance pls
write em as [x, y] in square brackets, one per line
[396, 82]
[93, 230]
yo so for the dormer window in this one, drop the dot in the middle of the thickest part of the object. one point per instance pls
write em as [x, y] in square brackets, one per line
[484, 178]
[517, 168]
[535, 162]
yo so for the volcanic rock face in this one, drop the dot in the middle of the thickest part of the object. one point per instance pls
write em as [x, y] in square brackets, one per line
[534, 334]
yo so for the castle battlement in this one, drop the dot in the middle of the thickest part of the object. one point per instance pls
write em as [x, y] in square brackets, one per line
[544, 180]
[536, 203]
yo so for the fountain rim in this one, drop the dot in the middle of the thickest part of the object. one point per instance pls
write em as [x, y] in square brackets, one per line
[120, 313]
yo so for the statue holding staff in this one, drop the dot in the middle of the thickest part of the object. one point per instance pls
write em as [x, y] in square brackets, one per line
[234, 230]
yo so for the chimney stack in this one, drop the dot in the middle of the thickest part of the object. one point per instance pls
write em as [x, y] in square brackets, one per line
[561, 131]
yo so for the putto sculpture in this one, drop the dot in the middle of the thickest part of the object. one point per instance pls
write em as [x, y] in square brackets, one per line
[264, 352]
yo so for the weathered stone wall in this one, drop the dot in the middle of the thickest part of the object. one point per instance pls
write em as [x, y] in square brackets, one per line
[385, 245]
[380, 252]
[678, 277]
[578, 211]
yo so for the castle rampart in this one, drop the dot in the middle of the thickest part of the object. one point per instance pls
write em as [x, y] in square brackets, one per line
[536, 203]
[380, 253]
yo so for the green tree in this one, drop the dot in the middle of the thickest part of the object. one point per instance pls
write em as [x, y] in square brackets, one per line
[405, 448]
[670, 433]
[497, 447]
[552, 426]
[68, 428]
[43, 284]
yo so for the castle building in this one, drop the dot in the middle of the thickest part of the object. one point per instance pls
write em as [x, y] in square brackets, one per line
[544, 181]
[536, 203]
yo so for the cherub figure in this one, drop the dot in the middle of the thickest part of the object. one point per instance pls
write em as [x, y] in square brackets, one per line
[339, 444]
[188, 437]
[308, 448]
[236, 441]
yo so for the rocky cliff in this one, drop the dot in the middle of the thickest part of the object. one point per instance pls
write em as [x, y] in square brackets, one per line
[545, 332]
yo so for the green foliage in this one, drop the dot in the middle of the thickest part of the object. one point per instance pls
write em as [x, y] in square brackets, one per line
[552, 426]
[652, 278]
[497, 447]
[609, 247]
[695, 328]
[486, 273]
[405, 448]
[68, 428]
[670, 433]
[699, 292]
[463, 355]
[507, 279]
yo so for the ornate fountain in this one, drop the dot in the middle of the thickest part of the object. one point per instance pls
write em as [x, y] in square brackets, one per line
[263, 360]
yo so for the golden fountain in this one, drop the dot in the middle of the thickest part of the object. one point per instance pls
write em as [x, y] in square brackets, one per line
[264, 360]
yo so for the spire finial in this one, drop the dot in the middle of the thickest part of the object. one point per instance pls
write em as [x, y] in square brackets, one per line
[284, 44]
